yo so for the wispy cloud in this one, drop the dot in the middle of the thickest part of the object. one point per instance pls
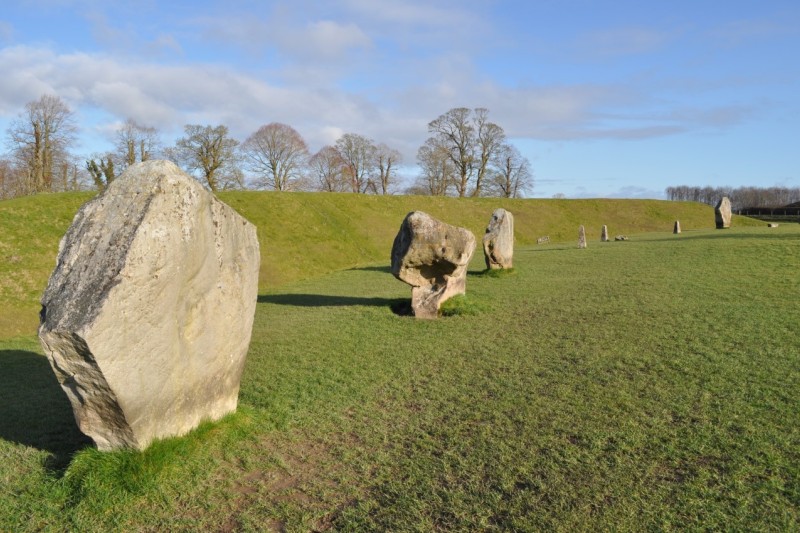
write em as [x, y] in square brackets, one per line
[616, 42]
[739, 32]
[6, 31]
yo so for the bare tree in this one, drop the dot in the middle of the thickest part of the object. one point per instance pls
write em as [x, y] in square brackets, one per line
[135, 142]
[386, 161]
[358, 153]
[209, 151]
[455, 133]
[329, 170]
[437, 169]
[512, 176]
[277, 154]
[10, 181]
[41, 137]
[471, 141]
[741, 197]
[489, 139]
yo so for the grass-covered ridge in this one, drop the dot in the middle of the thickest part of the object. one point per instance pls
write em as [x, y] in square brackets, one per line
[304, 235]
[647, 385]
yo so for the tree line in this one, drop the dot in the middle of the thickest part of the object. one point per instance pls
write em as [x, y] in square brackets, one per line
[466, 155]
[740, 197]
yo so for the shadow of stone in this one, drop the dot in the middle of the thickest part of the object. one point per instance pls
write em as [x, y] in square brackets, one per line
[35, 411]
[324, 300]
[386, 269]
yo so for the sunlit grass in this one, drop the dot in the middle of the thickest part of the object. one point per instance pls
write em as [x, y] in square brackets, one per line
[652, 384]
[304, 235]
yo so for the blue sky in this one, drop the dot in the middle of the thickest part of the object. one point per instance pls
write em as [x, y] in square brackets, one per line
[605, 98]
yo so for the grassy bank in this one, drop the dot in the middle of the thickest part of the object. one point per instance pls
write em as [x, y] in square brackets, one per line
[306, 234]
[652, 384]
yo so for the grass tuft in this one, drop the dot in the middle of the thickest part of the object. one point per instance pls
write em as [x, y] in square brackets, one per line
[461, 305]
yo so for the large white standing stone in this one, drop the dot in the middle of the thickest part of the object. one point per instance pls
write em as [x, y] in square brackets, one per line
[147, 318]
[498, 241]
[433, 258]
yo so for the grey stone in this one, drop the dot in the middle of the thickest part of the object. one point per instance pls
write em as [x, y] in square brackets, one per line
[621, 238]
[676, 229]
[722, 213]
[581, 237]
[146, 319]
[433, 258]
[498, 241]
[773, 225]
[604, 233]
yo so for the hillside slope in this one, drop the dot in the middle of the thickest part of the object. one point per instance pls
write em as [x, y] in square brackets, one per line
[304, 235]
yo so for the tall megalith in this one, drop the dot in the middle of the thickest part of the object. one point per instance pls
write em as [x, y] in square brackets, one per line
[146, 319]
[676, 229]
[498, 241]
[722, 213]
[433, 258]
[604, 234]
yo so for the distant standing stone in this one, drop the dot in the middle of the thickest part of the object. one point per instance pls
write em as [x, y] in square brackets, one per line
[581, 237]
[677, 228]
[146, 319]
[722, 213]
[432, 257]
[604, 233]
[498, 241]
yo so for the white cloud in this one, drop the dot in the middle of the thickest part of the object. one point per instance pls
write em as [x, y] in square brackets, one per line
[325, 40]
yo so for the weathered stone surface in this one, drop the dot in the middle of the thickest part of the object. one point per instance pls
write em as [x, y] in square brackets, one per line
[604, 233]
[773, 225]
[581, 237]
[498, 241]
[146, 319]
[677, 228]
[621, 238]
[722, 213]
[432, 257]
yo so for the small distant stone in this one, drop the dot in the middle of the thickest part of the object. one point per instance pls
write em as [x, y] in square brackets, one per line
[773, 225]
[543, 240]
[722, 213]
[604, 233]
[581, 237]
[621, 238]
[677, 228]
[498, 241]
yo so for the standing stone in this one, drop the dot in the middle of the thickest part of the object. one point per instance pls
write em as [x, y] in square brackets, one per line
[722, 213]
[677, 228]
[604, 233]
[498, 242]
[146, 319]
[432, 257]
[581, 237]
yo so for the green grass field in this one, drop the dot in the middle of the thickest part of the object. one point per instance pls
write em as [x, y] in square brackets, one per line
[304, 235]
[651, 384]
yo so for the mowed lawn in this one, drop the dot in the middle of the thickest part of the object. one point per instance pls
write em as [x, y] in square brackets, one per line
[652, 384]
